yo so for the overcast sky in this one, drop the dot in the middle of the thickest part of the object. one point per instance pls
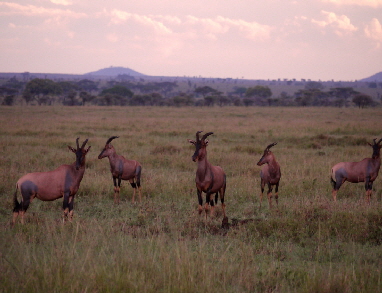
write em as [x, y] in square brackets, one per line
[311, 39]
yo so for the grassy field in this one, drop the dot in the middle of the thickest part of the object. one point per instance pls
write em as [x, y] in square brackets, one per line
[311, 244]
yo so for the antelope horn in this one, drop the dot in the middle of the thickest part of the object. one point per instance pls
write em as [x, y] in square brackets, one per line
[111, 138]
[271, 145]
[83, 145]
[379, 141]
[207, 134]
[197, 135]
[78, 146]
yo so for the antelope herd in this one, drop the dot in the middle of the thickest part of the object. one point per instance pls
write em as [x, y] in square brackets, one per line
[66, 179]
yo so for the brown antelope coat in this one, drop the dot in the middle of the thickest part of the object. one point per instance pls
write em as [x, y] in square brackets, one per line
[354, 172]
[270, 174]
[209, 179]
[47, 186]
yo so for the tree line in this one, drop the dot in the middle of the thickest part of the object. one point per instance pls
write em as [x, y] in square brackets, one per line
[39, 91]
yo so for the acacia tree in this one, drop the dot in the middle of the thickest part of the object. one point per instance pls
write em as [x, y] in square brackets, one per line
[69, 91]
[8, 95]
[258, 93]
[86, 97]
[362, 100]
[41, 90]
[87, 85]
[205, 90]
[118, 90]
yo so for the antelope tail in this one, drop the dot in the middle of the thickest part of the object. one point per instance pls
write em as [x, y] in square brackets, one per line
[16, 204]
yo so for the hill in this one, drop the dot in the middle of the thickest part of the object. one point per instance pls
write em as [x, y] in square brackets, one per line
[115, 71]
[374, 78]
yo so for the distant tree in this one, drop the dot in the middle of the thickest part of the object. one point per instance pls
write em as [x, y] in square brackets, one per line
[182, 100]
[311, 97]
[258, 91]
[248, 101]
[8, 100]
[138, 100]
[223, 101]
[240, 91]
[87, 85]
[86, 97]
[118, 90]
[209, 101]
[342, 92]
[41, 90]
[69, 92]
[314, 85]
[4, 91]
[362, 100]
[13, 83]
[205, 90]
[111, 100]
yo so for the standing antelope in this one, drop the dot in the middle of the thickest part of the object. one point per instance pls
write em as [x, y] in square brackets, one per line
[122, 169]
[354, 172]
[209, 179]
[47, 186]
[270, 174]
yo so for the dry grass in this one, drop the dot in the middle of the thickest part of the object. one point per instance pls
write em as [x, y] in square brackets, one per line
[162, 245]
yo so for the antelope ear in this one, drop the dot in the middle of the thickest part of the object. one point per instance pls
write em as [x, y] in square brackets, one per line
[88, 148]
[191, 141]
[206, 142]
[72, 149]
[370, 144]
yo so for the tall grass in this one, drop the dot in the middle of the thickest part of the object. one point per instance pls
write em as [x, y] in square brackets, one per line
[311, 244]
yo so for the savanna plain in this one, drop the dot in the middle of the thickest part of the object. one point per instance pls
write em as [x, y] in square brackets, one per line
[308, 244]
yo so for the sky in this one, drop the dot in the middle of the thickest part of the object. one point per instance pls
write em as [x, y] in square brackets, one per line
[302, 39]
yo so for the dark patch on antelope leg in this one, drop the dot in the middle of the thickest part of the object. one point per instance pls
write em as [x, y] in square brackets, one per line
[116, 190]
[369, 188]
[65, 205]
[71, 206]
[200, 201]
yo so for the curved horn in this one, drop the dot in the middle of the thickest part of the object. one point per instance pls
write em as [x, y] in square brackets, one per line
[83, 145]
[207, 134]
[111, 138]
[78, 146]
[271, 145]
[197, 135]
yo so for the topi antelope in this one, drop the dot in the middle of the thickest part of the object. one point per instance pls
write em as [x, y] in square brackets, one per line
[270, 174]
[122, 169]
[354, 172]
[47, 186]
[209, 179]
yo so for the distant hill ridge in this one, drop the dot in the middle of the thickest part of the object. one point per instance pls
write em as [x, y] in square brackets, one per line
[115, 71]
[376, 77]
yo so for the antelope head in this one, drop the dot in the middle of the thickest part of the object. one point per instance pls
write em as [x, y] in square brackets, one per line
[108, 149]
[200, 146]
[266, 155]
[376, 148]
[80, 153]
